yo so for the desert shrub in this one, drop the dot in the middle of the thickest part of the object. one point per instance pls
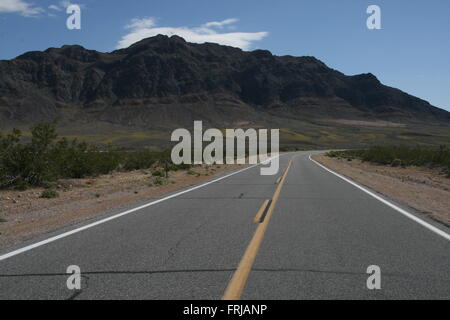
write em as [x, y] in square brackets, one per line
[192, 172]
[49, 194]
[46, 159]
[176, 167]
[136, 160]
[400, 156]
[158, 173]
[159, 181]
[21, 185]
[396, 163]
[26, 163]
[408, 156]
[347, 154]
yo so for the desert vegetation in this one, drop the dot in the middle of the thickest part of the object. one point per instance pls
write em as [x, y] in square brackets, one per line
[400, 156]
[46, 158]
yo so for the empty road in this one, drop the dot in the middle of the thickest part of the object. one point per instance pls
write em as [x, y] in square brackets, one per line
[315, 240]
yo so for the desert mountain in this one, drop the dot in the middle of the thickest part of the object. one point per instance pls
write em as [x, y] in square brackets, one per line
[164, 82]
[156, 78]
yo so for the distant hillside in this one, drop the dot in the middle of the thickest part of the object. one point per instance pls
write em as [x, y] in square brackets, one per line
[161, 82]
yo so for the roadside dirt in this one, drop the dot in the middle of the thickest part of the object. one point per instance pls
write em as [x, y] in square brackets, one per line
[425, 190]
[24, 214]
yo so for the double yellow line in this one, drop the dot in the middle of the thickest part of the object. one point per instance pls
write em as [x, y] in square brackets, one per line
[237, 283]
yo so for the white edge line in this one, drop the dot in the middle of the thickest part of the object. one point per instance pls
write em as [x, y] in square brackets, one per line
[118, 215]
[393, 206]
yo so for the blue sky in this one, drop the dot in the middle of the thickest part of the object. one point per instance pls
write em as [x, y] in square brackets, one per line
[410, 52]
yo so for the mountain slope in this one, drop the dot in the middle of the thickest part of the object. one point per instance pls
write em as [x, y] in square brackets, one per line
[159, 72]
[161, 82]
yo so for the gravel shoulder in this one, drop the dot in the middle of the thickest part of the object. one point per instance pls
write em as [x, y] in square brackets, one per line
[426, 190]
[24, 214]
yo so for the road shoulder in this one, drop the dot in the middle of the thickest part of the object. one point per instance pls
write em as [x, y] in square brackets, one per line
[422, 189]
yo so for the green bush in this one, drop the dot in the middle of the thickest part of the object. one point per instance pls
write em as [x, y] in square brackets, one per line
[396, 163]
[192, 172]
[158, 173]
[140, 159]
[159, 181]
[49, 194]
[176, 167]
[46, 159]
[400, 156]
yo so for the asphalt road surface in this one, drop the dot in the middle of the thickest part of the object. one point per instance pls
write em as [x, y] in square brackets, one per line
[315, 240]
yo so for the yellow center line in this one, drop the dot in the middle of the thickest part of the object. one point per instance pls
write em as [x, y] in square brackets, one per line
[261, 211]
[237, 283]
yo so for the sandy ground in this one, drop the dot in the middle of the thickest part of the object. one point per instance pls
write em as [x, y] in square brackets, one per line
[425, 190]
[23, 214]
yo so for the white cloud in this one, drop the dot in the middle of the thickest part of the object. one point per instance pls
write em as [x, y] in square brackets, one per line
[63, 5]
[19, 6]
[220, 24]
[28, 9]
[54, 7]
[137, 23]
[146, 27]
